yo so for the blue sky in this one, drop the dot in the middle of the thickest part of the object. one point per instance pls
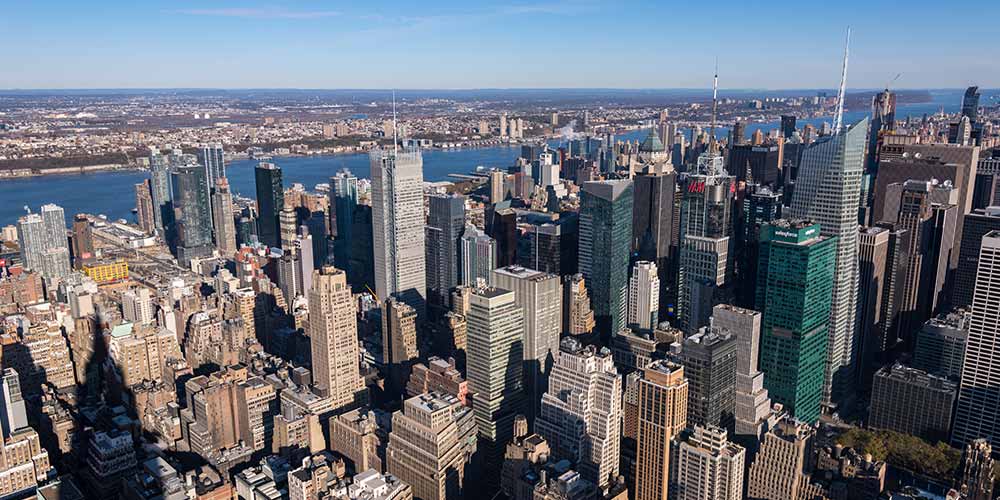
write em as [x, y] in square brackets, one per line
[521, 43]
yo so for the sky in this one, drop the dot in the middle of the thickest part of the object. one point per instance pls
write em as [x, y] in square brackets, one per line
[449, 44]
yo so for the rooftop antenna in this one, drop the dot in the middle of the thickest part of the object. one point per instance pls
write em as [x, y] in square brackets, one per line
[395, 141]
[715, 102]
[838, 123]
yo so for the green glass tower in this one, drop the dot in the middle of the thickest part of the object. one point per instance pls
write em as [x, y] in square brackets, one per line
[605, 243]
[794, 290]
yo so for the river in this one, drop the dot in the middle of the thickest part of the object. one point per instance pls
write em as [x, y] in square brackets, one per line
[113, 194]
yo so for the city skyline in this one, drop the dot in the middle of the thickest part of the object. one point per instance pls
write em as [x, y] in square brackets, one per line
[581, 293]
[318, 45]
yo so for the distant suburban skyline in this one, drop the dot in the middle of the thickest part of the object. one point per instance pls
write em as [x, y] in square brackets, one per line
[519, 44]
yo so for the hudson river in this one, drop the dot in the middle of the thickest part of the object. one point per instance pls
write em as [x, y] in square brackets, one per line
[112, 193]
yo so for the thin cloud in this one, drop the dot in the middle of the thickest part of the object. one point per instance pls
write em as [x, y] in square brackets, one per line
[565, 7]
[260, 13]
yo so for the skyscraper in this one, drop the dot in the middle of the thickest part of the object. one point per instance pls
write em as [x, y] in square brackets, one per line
[137, 306]
[539, 295]
[760, 205]
[902, 160]
[970, 103]
[928, 212]
[13, 415]
[159, 179]
[400, 345]
[654, 234]
[432, 441]
[978, 412]
[644, 296]
[445, 222]
[706, 271]
[753, 406]
[578, 317]
[222, 218]
[605, 236]
[760, 164]
[787, 126]
[874, 280]
[270, 201]
[43, 242]
[343, 202]
[828, 192]
[738, 134]
[144, 211]
[781, 469]
[976, 225]
[498, 190]
[495, 345]
[398, 225]
[213, 159]
[710, 467]
[941, 342]
[477, 256]
[794, 291]
[709, 359]
[581, 411]
[898, 389]
[288, 223]
[883, 122]
[192, 213]
[333, 334]
[663, 397]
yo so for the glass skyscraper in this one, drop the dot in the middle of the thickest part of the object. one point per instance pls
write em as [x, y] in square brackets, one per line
[159, 179]
[270, 201]
[795, 282]
[213, 158]
[705, 253]
[398, 225]
[605, 241]
[343, 200]
[828, 192]
[193, 213]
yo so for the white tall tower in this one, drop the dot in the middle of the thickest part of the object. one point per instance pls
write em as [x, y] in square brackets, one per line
[643, 296]
[978, 414]
[398, 225]
[581, 412]
[828, 192]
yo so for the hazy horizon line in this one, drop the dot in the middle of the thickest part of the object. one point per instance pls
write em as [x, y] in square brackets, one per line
[467, 89]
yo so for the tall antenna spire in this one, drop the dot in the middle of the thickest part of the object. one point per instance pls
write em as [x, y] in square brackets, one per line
[395, 140]
[715, 103]
[838, 123]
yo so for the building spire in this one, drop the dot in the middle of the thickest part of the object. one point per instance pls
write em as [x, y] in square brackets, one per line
[715, 103]
[838, 123]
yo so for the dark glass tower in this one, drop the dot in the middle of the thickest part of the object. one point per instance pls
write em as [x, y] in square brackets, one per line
[970, 104]
[445, 223]
[654, 232]
[270, 201]
[192, 212]
[343, 200]
[605, 240]
[787, 126]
